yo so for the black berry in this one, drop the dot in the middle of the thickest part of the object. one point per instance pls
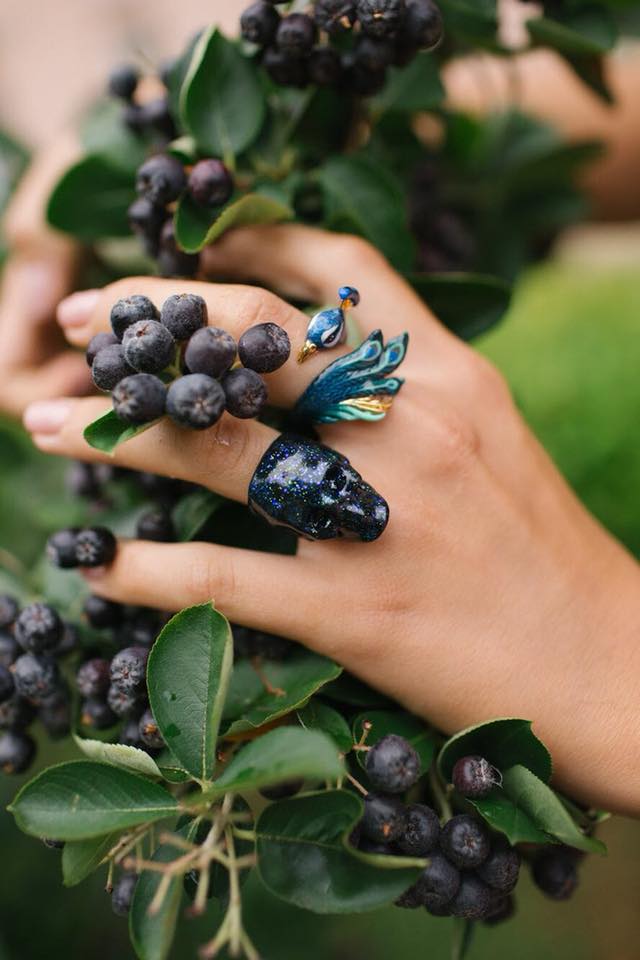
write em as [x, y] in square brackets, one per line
[210, 350]
[130, 733]
[139, 398]
[155, 117]
[183, 314]
[146, 220]
[172, 261]
[380, 18]
[259, 22]
[392, 764]
[374, 54]
[122, 894]
[123, 703]
[148, 346]
[360, 80]
[129, 669]
[465, 841]
[473, 899]
[474, 777]
[69, 641]
[421, 831]
[210, 183]
[501, 868]
[93, 677]
[95, 547]
[96, 714]
[16, 713]
[555, 873]
[7, 686]
[149, 732]
[17, 751]
[422, 25]
[438, 883]
[80, 479]
[9, 610]
[264, 348]
[296, 35]
[98, 343]
[161, 179]
[383, 818]
[55, 717]
[9, 648]
[35, 678]
[325, 66]
[123, 81]
[156, 524]
[130, 310]
[500, 909]
[61, 549]
[102, 613]
[38, 629]
[110, 367]
[334, 16]
[195, 401]
[245, 392]
[285, 70]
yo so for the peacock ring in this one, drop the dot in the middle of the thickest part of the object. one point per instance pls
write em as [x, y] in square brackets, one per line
[328, 328]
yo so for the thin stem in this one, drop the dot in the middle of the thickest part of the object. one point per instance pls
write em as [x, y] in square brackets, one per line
[439, 794]
[356, 784]
[235, 902]
[249, 835]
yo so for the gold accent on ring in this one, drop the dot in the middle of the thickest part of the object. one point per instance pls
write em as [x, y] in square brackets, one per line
[306, 351]
[377, 403]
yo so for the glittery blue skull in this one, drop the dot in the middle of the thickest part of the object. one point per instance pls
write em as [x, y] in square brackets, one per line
[315, 491]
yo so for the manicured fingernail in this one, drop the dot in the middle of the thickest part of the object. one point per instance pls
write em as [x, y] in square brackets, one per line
[76, 310]
[47, 416]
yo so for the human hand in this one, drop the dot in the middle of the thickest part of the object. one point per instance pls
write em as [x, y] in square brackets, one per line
[491, 593]
[35, 362]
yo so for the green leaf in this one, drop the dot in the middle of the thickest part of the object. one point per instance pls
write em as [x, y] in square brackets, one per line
[152, 935]
[81, 857]
[288, 753]
[178, 73]
[187, 676]
[545, 809]
[410, 89]
[404, 725]
[364, 198]
[103, 132]
[192, 512]
[503, 743]
[91, 199]
[348, 689]
[588, 29]
[197, 227]
[222, 103]
[320, 716]
[503, 815]
[82, 799]
[250, 704]
[303, 856]
[109, 431]
[120, 755]
[467, 303]
[473, 21]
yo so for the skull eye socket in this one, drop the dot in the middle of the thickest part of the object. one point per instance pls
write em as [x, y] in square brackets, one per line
[335, 477]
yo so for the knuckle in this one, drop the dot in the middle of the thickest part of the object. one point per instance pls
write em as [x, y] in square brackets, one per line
[487, 381]
[357, 252]
[255, 305]
[207, 578]
[454, 439]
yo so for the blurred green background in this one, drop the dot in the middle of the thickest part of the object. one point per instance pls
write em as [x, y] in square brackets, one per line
[571, 351]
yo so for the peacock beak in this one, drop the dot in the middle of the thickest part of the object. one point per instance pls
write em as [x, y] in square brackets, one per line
[306, 351]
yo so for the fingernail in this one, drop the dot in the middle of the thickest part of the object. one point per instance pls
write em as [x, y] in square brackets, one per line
[47, 416]
[93, 573]
[76, 310]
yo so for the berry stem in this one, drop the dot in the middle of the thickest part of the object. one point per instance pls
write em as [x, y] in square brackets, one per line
[439, 794]
[356, 784]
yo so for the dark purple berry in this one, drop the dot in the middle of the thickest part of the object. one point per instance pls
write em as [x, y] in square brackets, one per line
[380, 18]
[383, 818]
[110, 367]
[360, 80]
[123, 703]
[81, 480]
[259, 22]
[122, 894]
[334, 16]
[38, 629]
[149, 731]
[9, 648]
[146, 220]
[55, 717]
[148, 346]
[7, 686]
[17, 751]
[245, 393]
[16, 713]
[140, 398]
[130, 310]
[97, 714]
[438, 883]
[421, 831]
[161, 179]
[195, 401]
[473, 899]
[69, 641]
[375, 849]
[285, 70]
[123, 81]
[500, 910]
[555, 873]
[502, 867]
[129, 669]
[61, 549]
[156, 524]
[9, 610]
[130, 733]
[392, 764]
[156, 118]
[264, 347]
[465, 841]
[95, 547]
[98, 343]
[102, 613]
[210, 350]
[422, 25]
[35, 678]
[296, 35]
[474, 777]
[172, 261]
[210, 183]
[93, 677]
[182, 314]
[325, 66]
[374, 54]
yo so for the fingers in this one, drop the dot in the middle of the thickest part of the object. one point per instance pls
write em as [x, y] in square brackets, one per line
[307, 263]
[66, 374]
[223, 458]
[234, 308]
[249, 587]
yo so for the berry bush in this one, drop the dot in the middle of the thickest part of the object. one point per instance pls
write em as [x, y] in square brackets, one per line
[208, 749]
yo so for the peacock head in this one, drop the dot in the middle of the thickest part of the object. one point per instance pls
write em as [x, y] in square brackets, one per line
[328, 327]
